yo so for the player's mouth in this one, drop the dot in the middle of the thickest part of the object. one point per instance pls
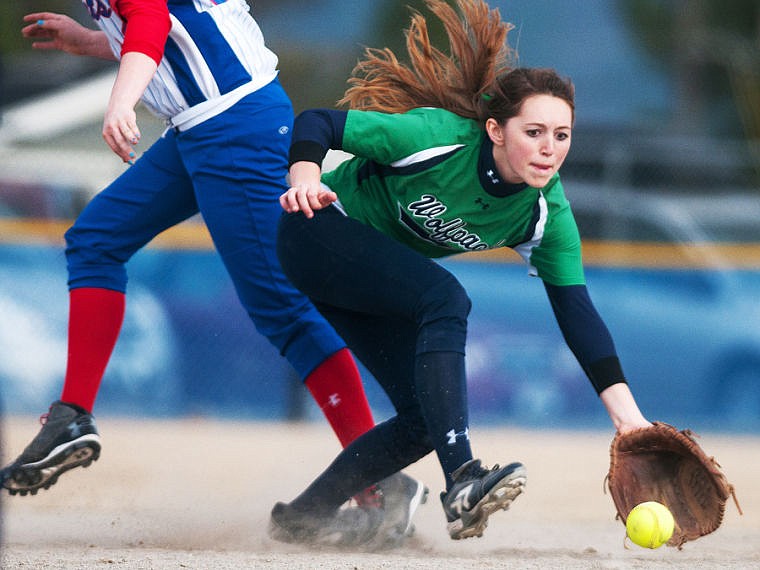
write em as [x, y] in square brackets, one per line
[542, 168]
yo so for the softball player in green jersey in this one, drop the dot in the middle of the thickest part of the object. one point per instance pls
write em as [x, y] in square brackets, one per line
[440, 193]
[451, 155]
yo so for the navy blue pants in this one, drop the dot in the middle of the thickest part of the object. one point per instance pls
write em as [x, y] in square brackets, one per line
[405, 318]
[232, 169]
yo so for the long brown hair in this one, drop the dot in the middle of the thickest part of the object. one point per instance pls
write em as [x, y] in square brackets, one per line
[479, 53]
[476, 80]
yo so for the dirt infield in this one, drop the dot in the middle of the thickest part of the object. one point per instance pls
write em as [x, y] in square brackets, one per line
[197, 493]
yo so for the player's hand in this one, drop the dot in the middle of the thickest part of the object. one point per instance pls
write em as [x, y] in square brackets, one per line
[120, 131]
[626, 427]
[306, 198]
[306, 193]
[120, 121]
[59, 32]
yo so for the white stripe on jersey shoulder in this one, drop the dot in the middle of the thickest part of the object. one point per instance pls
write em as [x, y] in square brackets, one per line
[424, 155]
[244, 37]
[526, 249]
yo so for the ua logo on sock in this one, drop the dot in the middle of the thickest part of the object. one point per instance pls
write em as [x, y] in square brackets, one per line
[453, 435]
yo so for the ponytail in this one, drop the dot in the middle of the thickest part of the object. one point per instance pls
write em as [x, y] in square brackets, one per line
[456, 82]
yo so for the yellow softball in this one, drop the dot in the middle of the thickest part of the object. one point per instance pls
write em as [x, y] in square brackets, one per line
[650, 524]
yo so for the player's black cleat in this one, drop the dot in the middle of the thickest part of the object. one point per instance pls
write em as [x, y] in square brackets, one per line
[349, 526]
[68, 439]
[477, 493]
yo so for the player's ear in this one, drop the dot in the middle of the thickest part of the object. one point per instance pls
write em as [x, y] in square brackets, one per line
[495, 132]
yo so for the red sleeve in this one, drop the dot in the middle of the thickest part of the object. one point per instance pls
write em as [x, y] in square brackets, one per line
[146, 26]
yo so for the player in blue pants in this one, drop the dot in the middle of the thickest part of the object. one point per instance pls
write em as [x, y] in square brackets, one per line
[204, 68]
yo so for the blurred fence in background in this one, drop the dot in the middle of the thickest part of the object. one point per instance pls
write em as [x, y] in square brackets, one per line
[686, 331]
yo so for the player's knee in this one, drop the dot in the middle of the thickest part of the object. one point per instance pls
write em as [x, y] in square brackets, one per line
[442, 317]
[446, 299]
[91, 266]
[80, 245]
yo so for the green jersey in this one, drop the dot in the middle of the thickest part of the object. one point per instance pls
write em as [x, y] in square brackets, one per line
[427, 178]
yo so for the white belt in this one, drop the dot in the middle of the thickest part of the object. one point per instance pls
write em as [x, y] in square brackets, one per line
[201, 112]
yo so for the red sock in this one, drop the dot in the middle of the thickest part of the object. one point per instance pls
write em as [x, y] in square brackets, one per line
[337, 388]
[95, 318]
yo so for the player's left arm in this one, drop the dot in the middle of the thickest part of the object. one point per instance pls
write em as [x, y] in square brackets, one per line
[589, 339]
[120, 130]
[559, 263]
[586, 334]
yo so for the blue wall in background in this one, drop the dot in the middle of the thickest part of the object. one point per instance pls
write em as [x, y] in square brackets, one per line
[688, 340]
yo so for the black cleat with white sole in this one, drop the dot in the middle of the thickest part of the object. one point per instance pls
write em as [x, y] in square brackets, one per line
[68, 439]
[479, 492]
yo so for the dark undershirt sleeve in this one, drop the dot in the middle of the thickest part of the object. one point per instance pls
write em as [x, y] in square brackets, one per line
[315, 132]
[586, 334]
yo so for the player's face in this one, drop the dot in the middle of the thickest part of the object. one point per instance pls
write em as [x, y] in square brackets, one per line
[531, 146]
